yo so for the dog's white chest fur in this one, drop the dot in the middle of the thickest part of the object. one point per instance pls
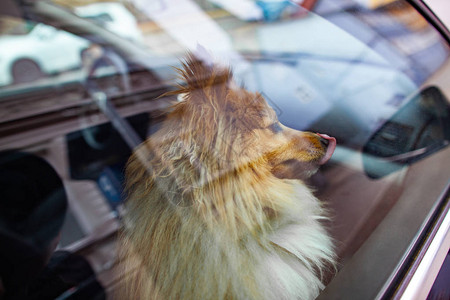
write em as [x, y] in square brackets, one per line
[303, 248]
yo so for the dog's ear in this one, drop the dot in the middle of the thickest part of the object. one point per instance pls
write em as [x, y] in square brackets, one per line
[205, 82]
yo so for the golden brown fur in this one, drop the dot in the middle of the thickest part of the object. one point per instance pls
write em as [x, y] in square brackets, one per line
[216, 204]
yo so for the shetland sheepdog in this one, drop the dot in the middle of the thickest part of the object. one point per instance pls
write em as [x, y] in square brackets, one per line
[217, 207]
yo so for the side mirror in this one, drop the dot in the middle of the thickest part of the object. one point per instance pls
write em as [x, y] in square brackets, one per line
[420, 128]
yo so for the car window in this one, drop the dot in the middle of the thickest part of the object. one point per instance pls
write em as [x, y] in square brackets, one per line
[81, 86]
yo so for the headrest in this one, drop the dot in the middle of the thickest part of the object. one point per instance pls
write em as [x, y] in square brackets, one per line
[33, 201]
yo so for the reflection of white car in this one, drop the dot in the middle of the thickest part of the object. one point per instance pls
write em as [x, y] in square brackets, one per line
[113, 17]
[43, 50]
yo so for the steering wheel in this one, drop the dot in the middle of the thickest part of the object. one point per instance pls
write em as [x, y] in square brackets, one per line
[106, 62]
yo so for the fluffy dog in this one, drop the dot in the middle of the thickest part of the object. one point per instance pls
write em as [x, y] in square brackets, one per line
[217, 207]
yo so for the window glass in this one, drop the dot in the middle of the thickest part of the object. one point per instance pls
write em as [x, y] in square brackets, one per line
[81, 86]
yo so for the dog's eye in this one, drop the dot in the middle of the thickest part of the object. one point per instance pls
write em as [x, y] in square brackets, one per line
[275, 127]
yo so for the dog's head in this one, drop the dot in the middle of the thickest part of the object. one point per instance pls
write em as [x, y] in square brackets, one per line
[222, 151]
[222, 127]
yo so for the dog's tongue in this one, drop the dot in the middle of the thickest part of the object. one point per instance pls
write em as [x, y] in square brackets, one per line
[330, 149]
